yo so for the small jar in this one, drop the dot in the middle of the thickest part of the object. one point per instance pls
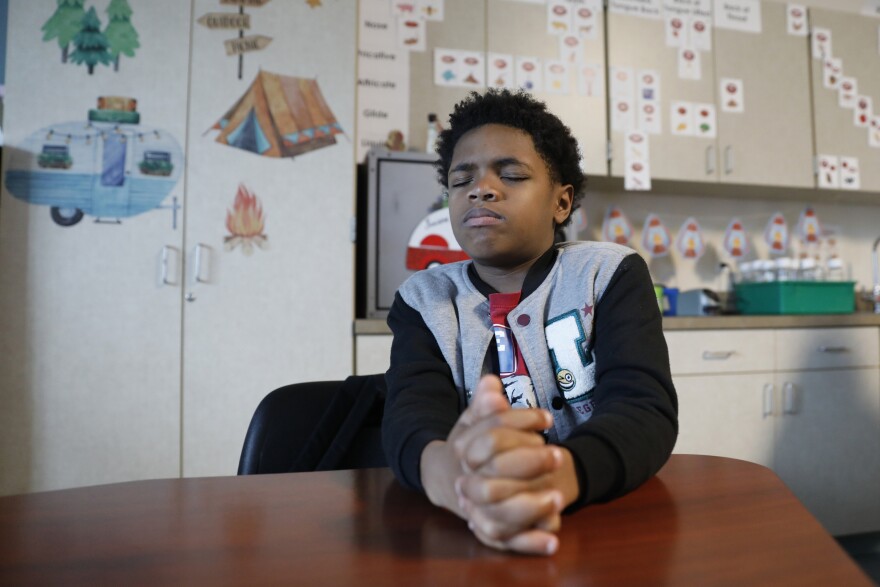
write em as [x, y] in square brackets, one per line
[807, 270]
[835, 270]
[786, 270]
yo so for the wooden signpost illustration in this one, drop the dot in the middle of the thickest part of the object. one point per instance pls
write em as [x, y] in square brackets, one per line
[240, 21]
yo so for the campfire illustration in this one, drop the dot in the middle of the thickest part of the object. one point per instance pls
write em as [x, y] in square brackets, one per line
[245, 223]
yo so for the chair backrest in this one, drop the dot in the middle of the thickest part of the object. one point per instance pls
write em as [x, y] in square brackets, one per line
[317, 426]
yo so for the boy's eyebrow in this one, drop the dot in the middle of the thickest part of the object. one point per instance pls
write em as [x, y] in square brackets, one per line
[496, 163]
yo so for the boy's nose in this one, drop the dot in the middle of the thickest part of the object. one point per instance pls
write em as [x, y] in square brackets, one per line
[482, 193]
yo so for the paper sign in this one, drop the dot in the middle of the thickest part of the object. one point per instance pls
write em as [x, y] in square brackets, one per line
[829, 175]
[586, 19]
[847, 92]
[705, 120]
[558, 18]
[738, 15]
[681, 118]
[556, 77]
[832, 69]
[796, 20]
[874, 132]
[528, 74]
[571, 48]
[648, 101]
[735, 242]
[648, 83]
[655, 237]
[411, 34]
[499, 68]
[622, 83]
[689, 63]
[459, 68]
[850, 178]
[731, 95]
[701, 8]
[648, 117]
[676, 30]
[689, 242]
[776, 234]
[700, 33]
[642, 8]
[590, 80]
[863, 111]
[623, 115]
[821, 43]
[446, 67]
[637, 175]
[616, 228]
[473, 68]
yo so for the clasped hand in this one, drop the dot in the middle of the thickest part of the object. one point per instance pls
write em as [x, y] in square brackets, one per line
[496, 472]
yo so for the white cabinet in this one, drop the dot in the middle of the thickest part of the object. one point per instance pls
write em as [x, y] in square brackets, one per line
[805, 402]
[107, 373]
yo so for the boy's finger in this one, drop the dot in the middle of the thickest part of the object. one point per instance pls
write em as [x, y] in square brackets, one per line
[527, 420]
[489, 397]
[525, 462]
[519, 513]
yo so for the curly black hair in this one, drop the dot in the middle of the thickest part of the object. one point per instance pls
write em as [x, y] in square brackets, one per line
[552, 139]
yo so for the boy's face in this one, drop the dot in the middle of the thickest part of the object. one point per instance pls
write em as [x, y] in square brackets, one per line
[502, 202]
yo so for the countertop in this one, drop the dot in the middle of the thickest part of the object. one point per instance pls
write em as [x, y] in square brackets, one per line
[376, 326]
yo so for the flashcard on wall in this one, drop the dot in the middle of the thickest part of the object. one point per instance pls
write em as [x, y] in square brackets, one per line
[432, 9]
[874, 132]
[473, 68]
[245, 223]
[863, 111]
[616, 228]
[847, 92]
[655, 237]
[700, 32]
[689, 66]
[821, 43]
[586, 19]
[829, 176]
[735, 242]
[411, 34]
[590, 79]
[637, 175]
[731, 94]
[705, 120]
[558, 18]
[622, 83]
[689, 242]
[528, 74]
[681, 118]
[808, 228]
[500, 70]
[446, 67]
[623, 115]
[556, 77]
[776, 234]
[676, 30]
[404, 8]
[832, 69]
[649, 118]
[796, 20]
[648, 83]
[850, 179]
[571, 48]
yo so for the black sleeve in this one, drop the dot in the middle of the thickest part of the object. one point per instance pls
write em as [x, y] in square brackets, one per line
[635, 413]
[422, 404]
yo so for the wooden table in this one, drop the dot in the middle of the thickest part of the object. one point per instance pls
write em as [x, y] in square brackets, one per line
[702, 521]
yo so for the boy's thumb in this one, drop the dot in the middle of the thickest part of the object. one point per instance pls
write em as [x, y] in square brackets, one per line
[489, 397]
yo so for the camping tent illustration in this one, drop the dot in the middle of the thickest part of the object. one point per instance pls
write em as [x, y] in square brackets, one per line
[279, 116]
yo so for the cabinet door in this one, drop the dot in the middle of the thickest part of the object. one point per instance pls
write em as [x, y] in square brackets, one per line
[854, 42]
[269, 303]
[770, 142]
[90, 367]
[727, 416]
[828, 445]
[521, 29]
[640, 44]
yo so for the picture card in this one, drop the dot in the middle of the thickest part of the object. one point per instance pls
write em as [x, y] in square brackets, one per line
[591, 80]
[821, 43]
[848, 91]
[796, 20]
[863, 111]
[850, 178]
[731, 95]
[559, 20]
[829, 175]
[622, 82]
[874, 132]
[411, 33]
[689, 66]
[587, 18]
[529, 74]
[705, 124]
[556, 77]
[623, 115]
[648, 116]
[571, 48]
[499, 70]
[700, 33]
[832, 69]
[681, 118]
[637, 175]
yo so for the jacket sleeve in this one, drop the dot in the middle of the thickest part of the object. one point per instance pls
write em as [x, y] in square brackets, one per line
[635, 413]
[422, 404]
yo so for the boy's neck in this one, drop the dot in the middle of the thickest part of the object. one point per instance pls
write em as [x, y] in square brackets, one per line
[512, 279]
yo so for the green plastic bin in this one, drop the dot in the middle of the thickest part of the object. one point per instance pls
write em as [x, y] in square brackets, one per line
[796, 297]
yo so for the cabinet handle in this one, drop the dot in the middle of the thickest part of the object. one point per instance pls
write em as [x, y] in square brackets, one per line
[788, 398]
[710, 160]
[199, 256]
[164, 272]
[833, 349]
[769, 399]
[728, 159]
[717, 355]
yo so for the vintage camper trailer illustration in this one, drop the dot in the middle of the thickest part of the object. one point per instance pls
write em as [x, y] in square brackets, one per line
[109, 166]
[432, 242]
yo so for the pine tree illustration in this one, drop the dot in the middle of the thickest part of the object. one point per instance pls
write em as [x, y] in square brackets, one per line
[91, 44]
[120, 33]
[64, 24]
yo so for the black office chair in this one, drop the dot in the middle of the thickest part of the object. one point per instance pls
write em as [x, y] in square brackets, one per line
[317, 426]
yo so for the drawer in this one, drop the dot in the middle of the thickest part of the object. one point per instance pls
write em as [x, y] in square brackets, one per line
[720, 351]
[827, 348]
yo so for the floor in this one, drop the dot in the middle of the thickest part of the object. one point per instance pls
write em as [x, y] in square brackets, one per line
[865, 550]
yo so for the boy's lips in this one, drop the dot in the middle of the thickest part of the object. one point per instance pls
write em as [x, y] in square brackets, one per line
[481, 217]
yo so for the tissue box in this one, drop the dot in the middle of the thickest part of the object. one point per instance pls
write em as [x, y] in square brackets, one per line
[796, 297]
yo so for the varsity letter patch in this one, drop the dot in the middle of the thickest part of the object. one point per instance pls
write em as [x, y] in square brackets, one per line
[571, 353]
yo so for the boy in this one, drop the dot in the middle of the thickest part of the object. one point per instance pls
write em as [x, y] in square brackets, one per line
[571, 332]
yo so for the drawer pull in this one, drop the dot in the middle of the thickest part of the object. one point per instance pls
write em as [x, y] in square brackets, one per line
[833, 349]
[717, 355]
[769, 399]
[788, 406]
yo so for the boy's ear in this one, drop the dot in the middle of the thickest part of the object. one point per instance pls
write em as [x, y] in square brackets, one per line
[564, 201]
